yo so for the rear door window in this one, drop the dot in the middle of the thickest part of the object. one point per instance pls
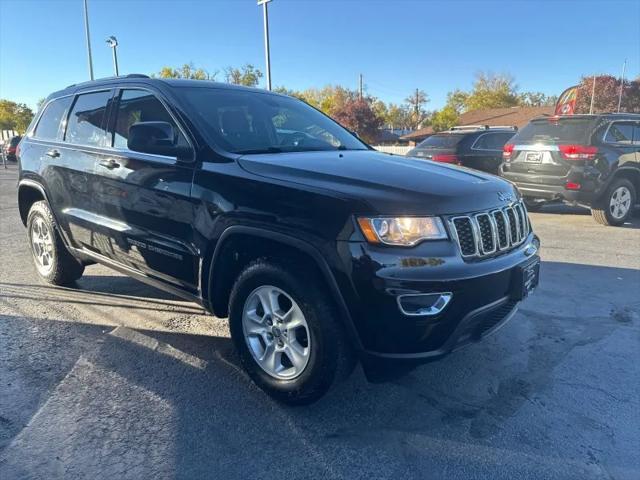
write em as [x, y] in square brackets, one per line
[86, 123]
[51, 124]
[140, 106]
[492, 141]
[441, 141]
[555, 131]
[620, 132]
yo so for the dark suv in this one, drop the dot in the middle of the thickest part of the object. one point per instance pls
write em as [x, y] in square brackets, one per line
[590, 160]
[263, 210]
[473, 146]
[11, 147]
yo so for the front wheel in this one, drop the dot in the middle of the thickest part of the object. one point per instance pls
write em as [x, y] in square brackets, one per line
[616, 206]
[286, 332]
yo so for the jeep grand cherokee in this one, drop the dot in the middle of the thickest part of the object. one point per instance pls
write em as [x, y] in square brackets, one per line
[263, 210]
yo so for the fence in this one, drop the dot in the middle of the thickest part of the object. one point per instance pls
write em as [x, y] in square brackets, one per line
[395, 149]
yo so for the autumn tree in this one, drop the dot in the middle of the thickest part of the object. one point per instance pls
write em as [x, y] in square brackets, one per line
[606, 95]
[444, 119]
[492, 91]
[247, 75]
[188, 71]
[358, 116]
[14, 116]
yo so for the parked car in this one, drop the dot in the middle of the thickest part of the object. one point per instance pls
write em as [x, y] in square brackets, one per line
[11, 146]
[473, 146]
[319, 249]
[590, 160]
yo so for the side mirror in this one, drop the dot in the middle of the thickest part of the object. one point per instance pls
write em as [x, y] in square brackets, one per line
[158, 138]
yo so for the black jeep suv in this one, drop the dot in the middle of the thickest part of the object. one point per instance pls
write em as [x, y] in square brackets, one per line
[473, 146]
[319, 249]
[590, 160]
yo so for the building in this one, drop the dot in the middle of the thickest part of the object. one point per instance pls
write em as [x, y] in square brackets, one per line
[509, 116]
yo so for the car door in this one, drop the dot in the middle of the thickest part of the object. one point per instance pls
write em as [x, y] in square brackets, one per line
[486, 151]
[144, 199]
[68, 161]
[619, 136]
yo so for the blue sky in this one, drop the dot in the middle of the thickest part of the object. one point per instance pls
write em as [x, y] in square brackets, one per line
[397, 45]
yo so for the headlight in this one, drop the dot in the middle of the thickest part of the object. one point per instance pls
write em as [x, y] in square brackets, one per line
[406, 231]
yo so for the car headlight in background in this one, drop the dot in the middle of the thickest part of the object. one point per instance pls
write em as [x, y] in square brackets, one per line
[404, 231]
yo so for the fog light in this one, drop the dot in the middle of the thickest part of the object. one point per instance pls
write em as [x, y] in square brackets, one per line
[424, 304]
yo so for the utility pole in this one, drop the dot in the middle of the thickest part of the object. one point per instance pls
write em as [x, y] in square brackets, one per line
[267, 55]
[624, 67]
[593, 95]
[360, 89]
[86, 29]
[113, 43]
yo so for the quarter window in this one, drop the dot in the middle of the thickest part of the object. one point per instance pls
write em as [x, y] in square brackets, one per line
[620, 132]
[86, 121]
[51, 125]
[140, 106]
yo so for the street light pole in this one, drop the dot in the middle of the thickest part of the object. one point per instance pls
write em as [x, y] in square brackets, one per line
[267, 55]
[113, 43]
[86, 29]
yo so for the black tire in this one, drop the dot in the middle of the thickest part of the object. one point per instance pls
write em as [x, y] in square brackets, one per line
[601, 211]
[533, 205]
[62, 267]
[330, 355]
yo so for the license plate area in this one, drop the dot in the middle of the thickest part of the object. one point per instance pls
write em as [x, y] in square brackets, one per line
[533, 157]
[525, 279]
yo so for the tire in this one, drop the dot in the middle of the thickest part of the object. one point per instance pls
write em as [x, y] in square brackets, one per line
[615, 207]
[533, 205]
[52, 260]
[328, 353]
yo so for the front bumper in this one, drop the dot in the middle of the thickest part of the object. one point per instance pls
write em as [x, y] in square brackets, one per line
[482, 297]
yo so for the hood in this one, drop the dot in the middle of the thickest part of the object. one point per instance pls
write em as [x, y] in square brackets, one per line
[389, 184]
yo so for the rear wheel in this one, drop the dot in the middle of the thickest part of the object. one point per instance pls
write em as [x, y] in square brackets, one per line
[53, 261]
[616, 206]
[286, 332]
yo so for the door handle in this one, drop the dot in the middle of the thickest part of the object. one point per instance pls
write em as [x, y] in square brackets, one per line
[109, 163]
[53, 153]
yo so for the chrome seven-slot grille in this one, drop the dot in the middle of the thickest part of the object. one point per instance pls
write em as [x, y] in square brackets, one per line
[485, 233]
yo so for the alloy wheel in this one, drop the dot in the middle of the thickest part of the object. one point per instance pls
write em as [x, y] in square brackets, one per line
[620, 202]
[276, 332]
[42, 245]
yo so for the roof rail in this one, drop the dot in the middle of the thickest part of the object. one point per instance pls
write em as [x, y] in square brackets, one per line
[129, 75]
[464, 128]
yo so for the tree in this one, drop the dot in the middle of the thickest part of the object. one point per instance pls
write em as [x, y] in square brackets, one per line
[492, 91]
[417, 114]
[444, 119]
[457, 100]
[358, 116]
[607, 93]
[14, 116]
[188, 71]
[397, 116]
[247, 75]
[536, 99]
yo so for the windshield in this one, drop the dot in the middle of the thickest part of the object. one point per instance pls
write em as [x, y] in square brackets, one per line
[440, 141]
[246, 122]
[553, 131]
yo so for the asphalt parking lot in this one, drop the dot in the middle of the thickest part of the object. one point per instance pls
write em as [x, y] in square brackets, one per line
[117, 379]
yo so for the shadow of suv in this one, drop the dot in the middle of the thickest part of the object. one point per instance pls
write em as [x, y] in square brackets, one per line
[589, 160]
[264, 210]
